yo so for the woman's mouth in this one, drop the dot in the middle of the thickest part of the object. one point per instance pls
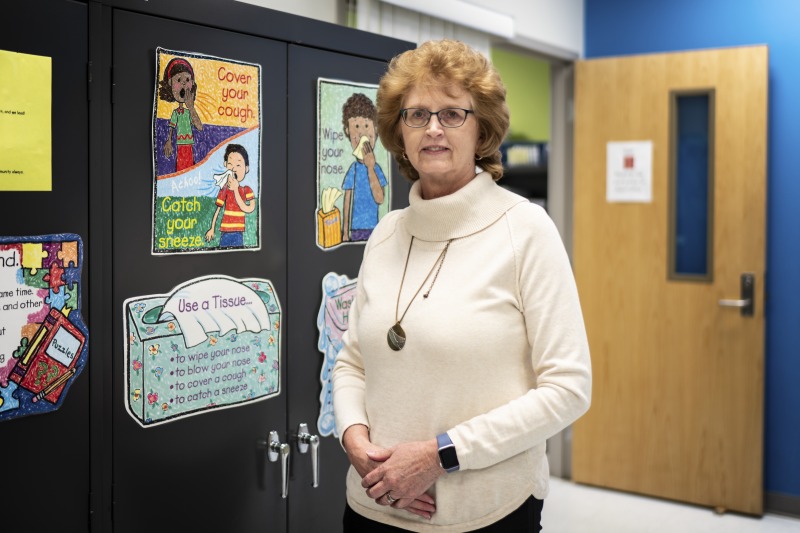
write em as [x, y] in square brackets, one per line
[183, 93]
[434, 149]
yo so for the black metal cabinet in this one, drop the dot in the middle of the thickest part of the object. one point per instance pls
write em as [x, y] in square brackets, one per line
[201, 473]
[47, 457]
[211, 471]
[207, 472]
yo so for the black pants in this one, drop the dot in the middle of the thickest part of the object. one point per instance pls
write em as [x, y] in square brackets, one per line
[526, 519]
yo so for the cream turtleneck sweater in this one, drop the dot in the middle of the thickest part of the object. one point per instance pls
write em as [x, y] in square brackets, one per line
[496, 356]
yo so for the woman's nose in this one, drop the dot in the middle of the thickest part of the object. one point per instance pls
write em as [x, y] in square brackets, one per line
[434, 126]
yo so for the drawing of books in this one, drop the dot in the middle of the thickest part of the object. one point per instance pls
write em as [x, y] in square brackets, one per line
[49, 360]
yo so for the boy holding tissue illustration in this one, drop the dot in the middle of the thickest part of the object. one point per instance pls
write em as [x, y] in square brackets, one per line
[235, 200]
[364, 184]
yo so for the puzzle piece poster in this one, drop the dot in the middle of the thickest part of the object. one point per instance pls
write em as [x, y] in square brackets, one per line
[43, 338]
[353, 168]
[206, 154]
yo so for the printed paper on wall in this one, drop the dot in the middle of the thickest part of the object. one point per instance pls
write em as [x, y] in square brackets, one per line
[43, 338]
[353, 168]
[629, 171]
[338, 294]
[212, 343]
[206, 154]
[25, 122]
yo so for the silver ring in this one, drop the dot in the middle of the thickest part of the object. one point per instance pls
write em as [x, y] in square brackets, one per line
[390, 499]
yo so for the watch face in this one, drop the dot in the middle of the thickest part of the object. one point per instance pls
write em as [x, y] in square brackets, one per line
[448, 457]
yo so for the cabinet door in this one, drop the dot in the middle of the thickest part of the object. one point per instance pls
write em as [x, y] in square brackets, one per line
[207, 472]
[321, 508]
[46, 457]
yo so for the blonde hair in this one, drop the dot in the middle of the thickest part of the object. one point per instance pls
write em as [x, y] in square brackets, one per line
[445, 65]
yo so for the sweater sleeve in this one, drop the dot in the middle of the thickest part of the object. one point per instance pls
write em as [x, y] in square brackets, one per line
[348, 374]
[559, 351]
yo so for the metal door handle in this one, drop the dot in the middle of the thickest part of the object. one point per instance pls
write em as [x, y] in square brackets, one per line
[275, 449]
[735, 303]
[303, 440]
[747, 285]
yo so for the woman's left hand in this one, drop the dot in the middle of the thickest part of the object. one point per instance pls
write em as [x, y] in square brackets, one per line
[407, 471]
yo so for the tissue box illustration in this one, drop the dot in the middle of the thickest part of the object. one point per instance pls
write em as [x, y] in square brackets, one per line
[329, 228]
[212, 343]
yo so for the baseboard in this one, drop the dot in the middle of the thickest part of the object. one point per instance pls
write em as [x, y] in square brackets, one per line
[786, 504]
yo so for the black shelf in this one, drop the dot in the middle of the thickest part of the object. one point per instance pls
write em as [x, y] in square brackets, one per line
[527, 180]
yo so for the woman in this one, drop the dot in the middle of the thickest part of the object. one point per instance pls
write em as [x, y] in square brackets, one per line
[466, 348]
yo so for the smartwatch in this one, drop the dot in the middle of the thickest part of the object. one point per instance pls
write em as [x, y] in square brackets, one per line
[448, 458]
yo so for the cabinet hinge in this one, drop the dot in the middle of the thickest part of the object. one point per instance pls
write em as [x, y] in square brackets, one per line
[91, 510]
[89, 81]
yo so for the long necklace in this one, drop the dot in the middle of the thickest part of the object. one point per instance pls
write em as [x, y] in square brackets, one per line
[397, 336]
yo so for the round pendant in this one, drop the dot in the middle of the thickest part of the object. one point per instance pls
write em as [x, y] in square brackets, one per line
[396, 337]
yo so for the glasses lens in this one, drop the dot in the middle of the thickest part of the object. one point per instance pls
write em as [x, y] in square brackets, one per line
[452, 118]
[416, 117]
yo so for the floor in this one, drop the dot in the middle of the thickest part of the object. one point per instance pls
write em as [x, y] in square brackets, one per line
[574, 508]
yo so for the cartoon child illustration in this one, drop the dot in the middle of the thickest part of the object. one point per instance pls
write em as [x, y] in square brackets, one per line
[364, 184]
[178, 85]
[234, 199]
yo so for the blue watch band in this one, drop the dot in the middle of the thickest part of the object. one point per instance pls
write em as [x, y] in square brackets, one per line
[448, 458]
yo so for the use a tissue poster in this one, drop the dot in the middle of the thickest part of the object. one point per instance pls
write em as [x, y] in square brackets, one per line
[214, 342]
[206, 154]
[43, 338]
[353, 168]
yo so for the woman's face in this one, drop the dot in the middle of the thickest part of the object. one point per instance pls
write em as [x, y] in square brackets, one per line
[443, 157]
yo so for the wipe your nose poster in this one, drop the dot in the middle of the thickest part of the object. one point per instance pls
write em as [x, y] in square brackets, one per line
[211, 343]
[206, 154]
[353, 168]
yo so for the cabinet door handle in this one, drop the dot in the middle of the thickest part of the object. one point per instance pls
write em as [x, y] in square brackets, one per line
[274, 450]
[303, 440]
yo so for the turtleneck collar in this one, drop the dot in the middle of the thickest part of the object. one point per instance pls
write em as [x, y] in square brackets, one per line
[470, 209]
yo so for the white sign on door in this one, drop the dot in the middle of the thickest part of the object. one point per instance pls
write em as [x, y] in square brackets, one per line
[629, 171]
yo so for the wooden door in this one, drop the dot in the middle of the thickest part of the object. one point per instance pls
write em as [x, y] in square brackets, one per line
[678, 379]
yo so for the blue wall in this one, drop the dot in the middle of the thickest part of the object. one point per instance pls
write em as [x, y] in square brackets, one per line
[620, 27]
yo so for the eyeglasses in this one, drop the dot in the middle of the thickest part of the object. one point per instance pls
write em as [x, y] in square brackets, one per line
[452, 117]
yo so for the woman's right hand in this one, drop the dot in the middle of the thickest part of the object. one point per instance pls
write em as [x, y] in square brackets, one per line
[356, 443]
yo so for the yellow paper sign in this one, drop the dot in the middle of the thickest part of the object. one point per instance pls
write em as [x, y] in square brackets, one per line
[25, 122]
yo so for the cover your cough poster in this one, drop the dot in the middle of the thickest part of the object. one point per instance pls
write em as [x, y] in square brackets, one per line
[206, 154]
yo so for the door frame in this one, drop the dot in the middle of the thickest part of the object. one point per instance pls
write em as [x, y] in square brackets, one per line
[559, 206]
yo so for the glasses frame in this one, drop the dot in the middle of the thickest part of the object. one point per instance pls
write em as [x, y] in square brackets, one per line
[403, 113]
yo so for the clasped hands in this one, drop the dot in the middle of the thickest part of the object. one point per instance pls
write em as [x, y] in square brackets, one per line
[405, 471]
